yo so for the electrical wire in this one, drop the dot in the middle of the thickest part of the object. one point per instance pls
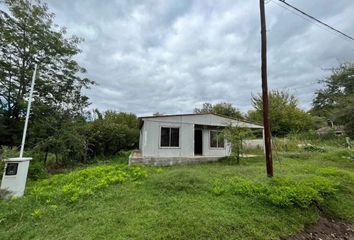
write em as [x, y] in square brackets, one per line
[313, 20]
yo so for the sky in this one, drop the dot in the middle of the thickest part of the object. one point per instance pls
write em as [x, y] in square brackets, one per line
[169, 56]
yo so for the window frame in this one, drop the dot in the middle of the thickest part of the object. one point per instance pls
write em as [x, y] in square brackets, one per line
[179, 137]
[217, 140]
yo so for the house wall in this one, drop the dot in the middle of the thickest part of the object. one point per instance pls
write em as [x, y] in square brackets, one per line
[215, 152]
[149, 142]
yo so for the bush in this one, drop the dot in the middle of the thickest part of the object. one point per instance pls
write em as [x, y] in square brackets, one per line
[37, 170]
[112, 133]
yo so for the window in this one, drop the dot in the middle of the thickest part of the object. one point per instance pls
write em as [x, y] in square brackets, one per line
[216, 139]
[169, 137]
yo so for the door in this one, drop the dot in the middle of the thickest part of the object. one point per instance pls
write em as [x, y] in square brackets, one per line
[198, 142]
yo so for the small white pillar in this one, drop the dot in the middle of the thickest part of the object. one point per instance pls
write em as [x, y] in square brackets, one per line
[15, 175]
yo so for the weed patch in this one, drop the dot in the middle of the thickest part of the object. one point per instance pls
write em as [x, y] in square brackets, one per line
[280, 191]
[72, 186]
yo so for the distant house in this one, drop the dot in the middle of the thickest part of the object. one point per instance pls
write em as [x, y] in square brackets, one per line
[338, 130]
[183, 138]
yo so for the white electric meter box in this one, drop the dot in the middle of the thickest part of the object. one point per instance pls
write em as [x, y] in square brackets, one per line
[15, 175]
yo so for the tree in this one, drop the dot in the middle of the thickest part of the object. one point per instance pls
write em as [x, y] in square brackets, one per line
[29, 36]
[226, 109]
[235, 136]
[114, 132]
[336, 100]
[284, 113]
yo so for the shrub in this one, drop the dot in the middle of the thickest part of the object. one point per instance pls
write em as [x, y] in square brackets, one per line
[37, 170]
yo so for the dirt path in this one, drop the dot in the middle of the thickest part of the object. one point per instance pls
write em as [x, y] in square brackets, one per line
[326, 229]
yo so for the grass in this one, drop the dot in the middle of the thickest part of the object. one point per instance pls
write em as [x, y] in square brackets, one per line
[179, 203]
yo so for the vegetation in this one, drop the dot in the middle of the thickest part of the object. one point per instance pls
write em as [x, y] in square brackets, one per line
[284, 113]
[336, 101]
[109, 199]
[235, 135]
[28, 36]
[196, 201]
[61, 133]
[226, 109]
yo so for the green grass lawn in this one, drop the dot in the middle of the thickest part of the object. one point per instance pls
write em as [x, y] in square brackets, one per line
[178, 202]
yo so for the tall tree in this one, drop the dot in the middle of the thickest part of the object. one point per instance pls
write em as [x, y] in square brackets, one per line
[284, 113]
[226, 109]
[336, 100]
[28, 36]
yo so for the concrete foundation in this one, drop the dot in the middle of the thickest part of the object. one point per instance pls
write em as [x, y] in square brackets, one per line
[136, 158]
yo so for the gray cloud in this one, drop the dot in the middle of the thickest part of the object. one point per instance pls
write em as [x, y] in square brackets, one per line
[171, 56]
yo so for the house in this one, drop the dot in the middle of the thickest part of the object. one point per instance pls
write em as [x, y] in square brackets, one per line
[183, 138]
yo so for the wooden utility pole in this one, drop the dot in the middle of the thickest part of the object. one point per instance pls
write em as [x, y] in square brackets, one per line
[266, 125]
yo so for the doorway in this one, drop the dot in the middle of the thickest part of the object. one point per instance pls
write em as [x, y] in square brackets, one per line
[198, 142]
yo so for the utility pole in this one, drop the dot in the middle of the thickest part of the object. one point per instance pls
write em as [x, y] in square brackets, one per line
[266, 125]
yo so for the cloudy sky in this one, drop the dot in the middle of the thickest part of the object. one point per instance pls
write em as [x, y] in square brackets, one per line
[171, 56]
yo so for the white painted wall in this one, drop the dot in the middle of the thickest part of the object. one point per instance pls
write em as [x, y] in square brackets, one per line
[214, 152]
[149, 142]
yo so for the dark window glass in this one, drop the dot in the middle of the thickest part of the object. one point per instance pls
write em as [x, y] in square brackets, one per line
[174, 137]
[169, 137]
[165, 137]
[213, 139]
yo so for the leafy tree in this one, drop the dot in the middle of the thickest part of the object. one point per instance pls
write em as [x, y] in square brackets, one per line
[235, 135]
[226, 109]
[112, 133]
[284, 114]
[336, 100]
[29, 36]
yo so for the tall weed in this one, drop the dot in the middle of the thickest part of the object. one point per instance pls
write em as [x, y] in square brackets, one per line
[280, 191]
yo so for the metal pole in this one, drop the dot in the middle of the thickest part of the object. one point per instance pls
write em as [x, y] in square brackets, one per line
[266, 124]
[28, 111]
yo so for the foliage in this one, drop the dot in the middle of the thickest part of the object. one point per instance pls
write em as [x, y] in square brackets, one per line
[307, 141]
[280, 191]
[36, 213]
[78, 184]
[235, 135]
[113, 133]
[37, 170]
[313, 148]
[226, 109]
[28, 36]
[336, 100]
[284, 114]
[73, 139]
[178, 202]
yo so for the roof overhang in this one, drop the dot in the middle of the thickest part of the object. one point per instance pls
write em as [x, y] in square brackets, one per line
[230, 120]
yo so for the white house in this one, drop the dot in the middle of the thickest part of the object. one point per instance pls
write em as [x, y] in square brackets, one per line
[183, 138]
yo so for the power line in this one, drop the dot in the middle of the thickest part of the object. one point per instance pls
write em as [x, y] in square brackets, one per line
[317, 20]
[309, 20]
